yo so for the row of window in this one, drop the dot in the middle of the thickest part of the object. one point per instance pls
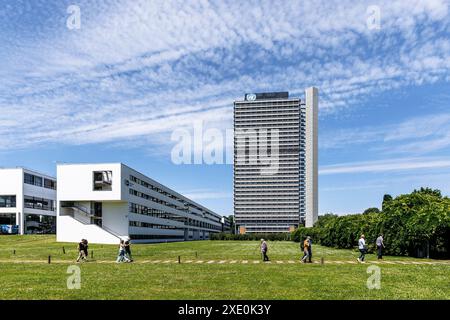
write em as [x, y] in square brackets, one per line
[271, 189]
[39, 203]
[292, 182]
[156, 200]
[140, 209]
[155, 237]
[273, 211]
[151, 225]
[167, 194]
[151, 187]
[39, 181]
[278, 110]
[277, 222]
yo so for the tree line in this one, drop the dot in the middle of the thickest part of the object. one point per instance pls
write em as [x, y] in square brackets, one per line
[415, 224]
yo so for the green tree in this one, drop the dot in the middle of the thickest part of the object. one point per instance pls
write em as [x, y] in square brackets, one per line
[371, 210]
[419, 221]
[386, 199]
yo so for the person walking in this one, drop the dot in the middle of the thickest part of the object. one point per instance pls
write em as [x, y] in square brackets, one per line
[127, 246]
[362, 248]
[309, 248]
[305, 250]
[85, 248]
[264, 249]
[121, 257]
[81, 250]
[380, 246]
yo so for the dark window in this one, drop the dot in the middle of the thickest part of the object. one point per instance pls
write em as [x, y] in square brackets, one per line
[154, 237]
[49, 184]
[32, 179]
[40, 224]
[39, 203]
[7, 201]
[102, 180]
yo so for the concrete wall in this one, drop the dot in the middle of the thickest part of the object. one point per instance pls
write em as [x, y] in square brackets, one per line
[75, 182]
[115, 217]
[11, 183]
[71, 230]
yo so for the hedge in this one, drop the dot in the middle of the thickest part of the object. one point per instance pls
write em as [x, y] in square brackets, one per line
[412, 224]
[251, 236]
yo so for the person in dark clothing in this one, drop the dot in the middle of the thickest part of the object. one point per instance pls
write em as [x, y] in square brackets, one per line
[82, 250]
[309, 249]
[264, 250]
[128, 250]
[85, 249]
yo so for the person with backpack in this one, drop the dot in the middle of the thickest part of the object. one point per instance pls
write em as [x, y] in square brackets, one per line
[305, 250]
[82, 250]
[264, 250]
[362, 249]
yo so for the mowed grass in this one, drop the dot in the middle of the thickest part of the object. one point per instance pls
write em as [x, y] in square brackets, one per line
[21, 277]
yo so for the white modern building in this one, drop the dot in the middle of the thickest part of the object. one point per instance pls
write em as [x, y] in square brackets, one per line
[27, 201]
[106, 202]
[275, 161]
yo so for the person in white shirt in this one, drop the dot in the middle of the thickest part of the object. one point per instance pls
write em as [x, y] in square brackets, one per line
[362, 248]
[264, 250]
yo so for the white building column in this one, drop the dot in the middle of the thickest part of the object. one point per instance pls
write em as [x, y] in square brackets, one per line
[311, 185]
[20, 221]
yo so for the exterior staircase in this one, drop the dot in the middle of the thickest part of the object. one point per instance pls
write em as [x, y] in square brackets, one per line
[88, 213]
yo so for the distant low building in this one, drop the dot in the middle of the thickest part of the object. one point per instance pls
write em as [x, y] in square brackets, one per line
[27, 201]
[226, 225]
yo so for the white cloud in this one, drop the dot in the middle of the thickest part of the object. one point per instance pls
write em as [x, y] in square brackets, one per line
[413, 136]
[405, 164]
[142, 68]
[206, 194]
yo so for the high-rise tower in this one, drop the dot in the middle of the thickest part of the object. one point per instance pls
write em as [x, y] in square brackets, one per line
[275, 161]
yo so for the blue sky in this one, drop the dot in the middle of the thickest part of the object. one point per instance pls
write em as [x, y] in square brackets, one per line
[135, 71]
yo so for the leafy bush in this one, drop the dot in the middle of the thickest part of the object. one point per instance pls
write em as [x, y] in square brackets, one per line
[411, 223]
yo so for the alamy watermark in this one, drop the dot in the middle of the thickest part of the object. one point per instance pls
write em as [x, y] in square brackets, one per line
[259, 147]
[73, 21]
[374, 280]
[373, 20]
[74, 280]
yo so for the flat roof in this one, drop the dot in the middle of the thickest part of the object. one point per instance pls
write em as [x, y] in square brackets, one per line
[29, 171]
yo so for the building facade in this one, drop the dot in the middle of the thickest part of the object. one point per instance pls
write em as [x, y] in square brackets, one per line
[107, 202]
[275, 162]
[226, 225]
[27, 201]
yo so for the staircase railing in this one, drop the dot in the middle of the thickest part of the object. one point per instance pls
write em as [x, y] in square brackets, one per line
[88, 213]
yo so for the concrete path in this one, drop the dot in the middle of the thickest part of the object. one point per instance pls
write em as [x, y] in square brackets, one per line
[276, 262]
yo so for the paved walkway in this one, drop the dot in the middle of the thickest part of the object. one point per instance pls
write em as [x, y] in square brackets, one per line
[277, 262]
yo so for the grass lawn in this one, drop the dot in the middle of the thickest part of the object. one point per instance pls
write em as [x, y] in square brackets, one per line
[26, 275]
